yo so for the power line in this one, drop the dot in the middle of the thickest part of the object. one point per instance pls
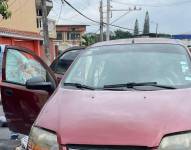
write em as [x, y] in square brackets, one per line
[80, 12]
[75, 21]
[60, 12]
[118, 18]
[154, 5]
[76, 14]
[93, 19]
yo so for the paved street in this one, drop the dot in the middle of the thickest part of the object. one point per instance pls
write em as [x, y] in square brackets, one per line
[4, 132]
[5, 143]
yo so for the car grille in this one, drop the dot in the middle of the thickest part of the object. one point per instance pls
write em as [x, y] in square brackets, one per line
[85, 147]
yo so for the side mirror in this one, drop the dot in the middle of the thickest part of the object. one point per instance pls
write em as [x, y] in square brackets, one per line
[38, 83]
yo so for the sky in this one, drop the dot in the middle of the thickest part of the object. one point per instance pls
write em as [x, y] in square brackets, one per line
[172, 16]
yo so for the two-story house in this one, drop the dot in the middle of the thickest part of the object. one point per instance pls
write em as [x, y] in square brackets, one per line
[24, 28]
[69, 35]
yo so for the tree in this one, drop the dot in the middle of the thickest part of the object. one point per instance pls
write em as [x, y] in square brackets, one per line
[89, 39]
[120, 34]
[146, 29]
[4, 9]
[136, 28]
[92, 38]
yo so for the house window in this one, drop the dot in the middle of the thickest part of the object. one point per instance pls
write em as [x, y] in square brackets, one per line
[73, 36]
[39, 22]
[39, 12]
[59, 36]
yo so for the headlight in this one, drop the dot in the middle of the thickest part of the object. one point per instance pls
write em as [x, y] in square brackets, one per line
[176, 142]
[42, 140]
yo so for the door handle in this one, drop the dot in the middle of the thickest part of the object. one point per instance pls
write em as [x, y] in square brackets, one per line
[8, 92]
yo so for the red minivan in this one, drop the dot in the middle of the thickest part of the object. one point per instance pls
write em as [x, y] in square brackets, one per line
[131, 94]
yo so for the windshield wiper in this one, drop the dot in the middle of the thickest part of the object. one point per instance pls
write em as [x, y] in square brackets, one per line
[79, 86]
[134, 84]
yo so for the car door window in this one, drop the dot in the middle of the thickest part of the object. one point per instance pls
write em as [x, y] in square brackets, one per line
[21, 66]
[65, 61]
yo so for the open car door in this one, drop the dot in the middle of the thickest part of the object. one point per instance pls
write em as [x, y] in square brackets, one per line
[22, 97]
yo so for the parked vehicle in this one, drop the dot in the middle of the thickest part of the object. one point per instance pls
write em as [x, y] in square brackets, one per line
[125, 94]
[61, 64]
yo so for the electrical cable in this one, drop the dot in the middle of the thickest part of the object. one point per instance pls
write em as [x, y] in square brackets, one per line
[60, 12]
[154, 5]
[93, 19]
[123, 15]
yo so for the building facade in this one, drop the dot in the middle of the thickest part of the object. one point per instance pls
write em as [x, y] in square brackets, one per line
[69, 35]
[24, 28]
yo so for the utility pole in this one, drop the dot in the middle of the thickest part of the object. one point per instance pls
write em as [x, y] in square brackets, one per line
[45, 28]
[108, 20]
[157, 26]
[109, 10]
[157, 30]
[101, 20]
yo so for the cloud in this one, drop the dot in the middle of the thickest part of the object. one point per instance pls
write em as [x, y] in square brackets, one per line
[173, 16]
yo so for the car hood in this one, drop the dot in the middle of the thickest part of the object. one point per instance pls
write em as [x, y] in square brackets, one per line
[116, 117]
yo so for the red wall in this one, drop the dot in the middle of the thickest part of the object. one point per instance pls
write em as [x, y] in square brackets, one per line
[33, 45]
[29, 44]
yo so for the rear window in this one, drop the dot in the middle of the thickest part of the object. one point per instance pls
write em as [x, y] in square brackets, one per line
[64, 62]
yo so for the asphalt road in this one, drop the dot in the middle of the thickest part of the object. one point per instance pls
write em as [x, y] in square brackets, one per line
[5, 142]
[4, 132]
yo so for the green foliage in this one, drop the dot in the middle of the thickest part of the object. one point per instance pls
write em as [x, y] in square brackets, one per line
[4, 9]
[136, 28]
[89, 39]
[146, 29]
[120, 34]
[92, 38]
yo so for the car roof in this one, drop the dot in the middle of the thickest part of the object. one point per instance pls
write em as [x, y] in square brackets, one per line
[71, 49]
[138, 41]
[74, 48]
